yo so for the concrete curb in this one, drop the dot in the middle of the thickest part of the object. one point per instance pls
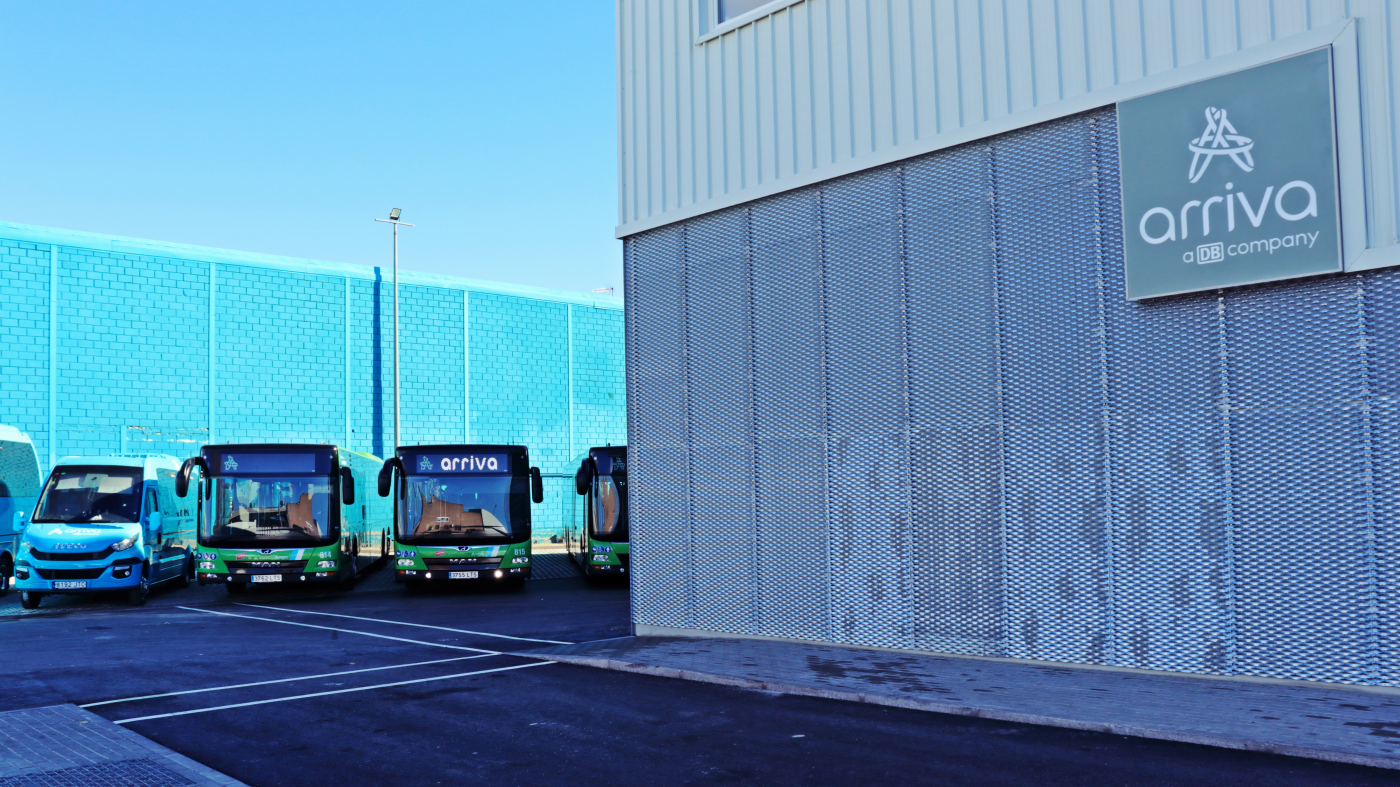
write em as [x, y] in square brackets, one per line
[1241, 744]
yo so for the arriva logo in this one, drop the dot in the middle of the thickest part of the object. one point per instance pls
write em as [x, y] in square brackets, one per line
[1159, 225]
[1219, 139]
[424, 464]
[230, 465]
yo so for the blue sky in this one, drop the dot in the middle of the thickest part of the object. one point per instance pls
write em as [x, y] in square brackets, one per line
[286, 128]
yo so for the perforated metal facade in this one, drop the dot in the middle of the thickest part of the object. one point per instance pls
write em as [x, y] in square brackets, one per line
[911, 408]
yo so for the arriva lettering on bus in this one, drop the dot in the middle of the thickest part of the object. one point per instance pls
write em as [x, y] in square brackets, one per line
[469, 463]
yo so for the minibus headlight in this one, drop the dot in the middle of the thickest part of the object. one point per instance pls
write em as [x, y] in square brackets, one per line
[124, 544]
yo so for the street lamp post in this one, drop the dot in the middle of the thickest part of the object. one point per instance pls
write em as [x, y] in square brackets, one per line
[394, 220]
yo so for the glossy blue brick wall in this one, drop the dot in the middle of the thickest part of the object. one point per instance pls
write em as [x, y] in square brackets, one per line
[303, 351]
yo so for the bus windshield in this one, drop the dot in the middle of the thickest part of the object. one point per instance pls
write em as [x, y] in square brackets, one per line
[456, 507]
[265, 509]
[610, 507]
[91, 494]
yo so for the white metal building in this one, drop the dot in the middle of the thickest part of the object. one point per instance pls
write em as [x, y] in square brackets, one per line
[884, 385]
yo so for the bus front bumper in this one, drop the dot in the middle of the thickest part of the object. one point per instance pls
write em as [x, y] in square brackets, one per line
[302, 578]
[70, 577]
[490, 574]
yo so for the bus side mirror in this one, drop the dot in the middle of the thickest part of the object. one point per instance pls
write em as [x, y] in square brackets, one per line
[386, 476]
[347, 486]
[182, 478]
[536, 485]
[583, 479]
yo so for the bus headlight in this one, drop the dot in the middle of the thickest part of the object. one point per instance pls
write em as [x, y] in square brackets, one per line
[124, 544]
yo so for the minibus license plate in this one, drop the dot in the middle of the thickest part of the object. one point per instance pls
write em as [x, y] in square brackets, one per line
[267, 577]
[69, 585]
[462, 574]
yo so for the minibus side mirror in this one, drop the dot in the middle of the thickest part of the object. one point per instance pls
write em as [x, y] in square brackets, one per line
[386, 476]
[583, 479]
[347, 486]
[182, 479]
[536, 485]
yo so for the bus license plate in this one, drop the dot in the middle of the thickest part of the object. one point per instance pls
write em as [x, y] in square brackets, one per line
[70, 585]
[267, 577]
[462, 574]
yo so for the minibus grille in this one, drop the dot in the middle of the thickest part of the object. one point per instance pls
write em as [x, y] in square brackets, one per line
[266, 566]
[69, 555]
[69, 573]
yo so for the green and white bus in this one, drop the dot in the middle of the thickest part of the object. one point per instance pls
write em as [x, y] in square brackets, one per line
[461, 512]
[273, 514]
[596, 535]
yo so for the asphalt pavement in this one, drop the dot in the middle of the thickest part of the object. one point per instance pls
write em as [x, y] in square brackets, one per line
[383, 686]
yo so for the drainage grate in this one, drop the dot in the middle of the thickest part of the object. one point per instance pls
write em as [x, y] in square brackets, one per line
[126, 773]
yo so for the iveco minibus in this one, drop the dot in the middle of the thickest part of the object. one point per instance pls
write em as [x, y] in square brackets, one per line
[106, 523]
[19, 489]
[596, 536]
[461, 512]
[278, 513]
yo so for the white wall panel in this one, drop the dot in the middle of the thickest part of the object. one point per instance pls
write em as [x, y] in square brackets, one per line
[826, 87]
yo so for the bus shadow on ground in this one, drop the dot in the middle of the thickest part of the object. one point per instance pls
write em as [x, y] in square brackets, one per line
[377, 579]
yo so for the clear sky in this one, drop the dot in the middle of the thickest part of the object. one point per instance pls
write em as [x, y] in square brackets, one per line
[286, 128]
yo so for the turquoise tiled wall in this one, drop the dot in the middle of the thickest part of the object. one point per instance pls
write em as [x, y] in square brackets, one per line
[303, 351]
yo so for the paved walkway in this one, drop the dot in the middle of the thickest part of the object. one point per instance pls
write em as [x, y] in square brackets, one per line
[66, 746]
[1281, 717]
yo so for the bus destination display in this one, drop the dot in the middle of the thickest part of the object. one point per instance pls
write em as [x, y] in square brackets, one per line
[462, 463]
[235, 463]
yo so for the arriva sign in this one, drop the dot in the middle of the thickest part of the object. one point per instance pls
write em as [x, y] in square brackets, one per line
[1232, 180]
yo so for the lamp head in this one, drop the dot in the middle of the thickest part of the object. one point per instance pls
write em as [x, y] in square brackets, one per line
[394, 214]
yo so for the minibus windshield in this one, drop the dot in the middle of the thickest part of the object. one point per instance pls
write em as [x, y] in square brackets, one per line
[456, 507]
[91, 494]
[263, 509]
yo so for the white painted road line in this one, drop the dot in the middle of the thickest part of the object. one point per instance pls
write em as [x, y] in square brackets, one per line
[404, 623]
[283, 680]
[345, 631]
[328, 693]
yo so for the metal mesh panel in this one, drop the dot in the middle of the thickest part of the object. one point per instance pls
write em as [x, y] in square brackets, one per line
[867, 453]
[1380, 320]
[954, 404]
[912, 408]
[789, 418]
[1057, 590]
[1298, 502]
[717, 322]
[657, 428]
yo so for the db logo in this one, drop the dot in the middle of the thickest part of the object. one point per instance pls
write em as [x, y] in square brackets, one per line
[1211, 252]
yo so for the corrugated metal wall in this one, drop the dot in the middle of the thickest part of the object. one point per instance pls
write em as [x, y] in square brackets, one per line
[911, 408]
[820, 85]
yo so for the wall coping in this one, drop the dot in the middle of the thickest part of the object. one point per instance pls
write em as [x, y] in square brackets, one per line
[153, 248]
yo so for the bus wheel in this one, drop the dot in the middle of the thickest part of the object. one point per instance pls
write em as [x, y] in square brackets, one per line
[137, 595]
[235, 588]
[29, 599]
